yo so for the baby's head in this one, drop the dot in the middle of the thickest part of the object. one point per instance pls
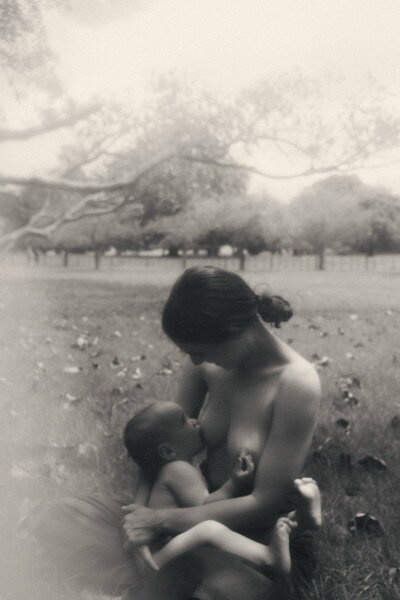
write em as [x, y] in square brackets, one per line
[161, 433]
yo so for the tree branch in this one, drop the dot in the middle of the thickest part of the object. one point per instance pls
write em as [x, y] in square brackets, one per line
[7, 135]
[92, 188]
[85, 187]
[228, 165]
[79, 211]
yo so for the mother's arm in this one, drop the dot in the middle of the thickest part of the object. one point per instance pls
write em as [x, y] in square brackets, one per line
[281, 462]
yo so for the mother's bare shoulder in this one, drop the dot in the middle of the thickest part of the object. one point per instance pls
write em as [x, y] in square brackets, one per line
[299, 383]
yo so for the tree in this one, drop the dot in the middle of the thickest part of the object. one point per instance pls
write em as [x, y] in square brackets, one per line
[318, 214]
[374, 225]
[342, 212]
[248, 223]
[96, 234]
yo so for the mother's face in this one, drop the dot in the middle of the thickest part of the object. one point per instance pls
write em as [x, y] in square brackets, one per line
[223, 354]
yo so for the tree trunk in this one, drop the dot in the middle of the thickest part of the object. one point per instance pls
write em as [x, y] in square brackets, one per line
[242, 259]
[184, 260]
[65, 258]
[97, 257]
[212, 251]
[321, 260]
[173, 251]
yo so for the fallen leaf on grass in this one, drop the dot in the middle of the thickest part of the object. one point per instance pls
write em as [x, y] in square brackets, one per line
[71, 398]
[395, 422]
[166, 371]
[365, 523]
[372, 463]
[320, 362]
[116, 391]
[137, 374]
[81, 342]
[72, 370]
[342, 423]
[350, 399]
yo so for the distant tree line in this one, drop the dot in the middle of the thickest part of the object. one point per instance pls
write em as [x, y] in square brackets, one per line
[338, 213]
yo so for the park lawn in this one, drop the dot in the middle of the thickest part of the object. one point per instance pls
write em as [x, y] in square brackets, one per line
[61, 431]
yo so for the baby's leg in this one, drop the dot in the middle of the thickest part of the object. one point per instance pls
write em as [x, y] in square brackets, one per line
[307, 498]
[274, 559]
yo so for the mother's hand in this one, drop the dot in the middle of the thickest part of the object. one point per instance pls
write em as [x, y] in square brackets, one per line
[141, 525]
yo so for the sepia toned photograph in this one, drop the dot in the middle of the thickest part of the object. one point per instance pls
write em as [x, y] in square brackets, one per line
[200, 300]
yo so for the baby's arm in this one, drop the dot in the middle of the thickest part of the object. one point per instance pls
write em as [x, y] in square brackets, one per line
[239, 484]
[189, 488]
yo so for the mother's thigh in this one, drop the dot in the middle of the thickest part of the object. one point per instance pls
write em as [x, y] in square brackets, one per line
[225, 577]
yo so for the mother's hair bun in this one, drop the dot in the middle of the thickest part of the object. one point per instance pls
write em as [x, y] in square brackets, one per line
[274, 309]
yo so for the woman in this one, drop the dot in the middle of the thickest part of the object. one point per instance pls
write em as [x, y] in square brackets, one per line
[250, 391]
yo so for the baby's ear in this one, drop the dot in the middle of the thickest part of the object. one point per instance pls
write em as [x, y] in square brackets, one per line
[166, 452]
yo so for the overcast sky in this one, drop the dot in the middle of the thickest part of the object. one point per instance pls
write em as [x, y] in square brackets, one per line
[110, 47]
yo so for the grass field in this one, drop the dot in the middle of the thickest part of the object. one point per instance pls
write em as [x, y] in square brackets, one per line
[81, 351]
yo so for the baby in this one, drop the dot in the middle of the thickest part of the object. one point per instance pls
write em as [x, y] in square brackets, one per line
[163, 441]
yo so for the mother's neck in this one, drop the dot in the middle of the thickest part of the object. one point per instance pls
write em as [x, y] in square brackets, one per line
[261, 348]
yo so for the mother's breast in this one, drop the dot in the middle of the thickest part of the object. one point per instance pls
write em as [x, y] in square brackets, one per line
[214, 417]
[236, 417]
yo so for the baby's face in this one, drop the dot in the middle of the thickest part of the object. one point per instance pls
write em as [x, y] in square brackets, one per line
[182, 433]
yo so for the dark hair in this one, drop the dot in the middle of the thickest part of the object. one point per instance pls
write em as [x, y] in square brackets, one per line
[210, 305]
[142, 436]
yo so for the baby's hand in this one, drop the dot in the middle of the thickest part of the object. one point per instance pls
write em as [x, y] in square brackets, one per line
[243, 473]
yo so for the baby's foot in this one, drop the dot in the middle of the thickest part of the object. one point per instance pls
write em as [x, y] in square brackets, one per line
[308, 503]
[279, 546]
